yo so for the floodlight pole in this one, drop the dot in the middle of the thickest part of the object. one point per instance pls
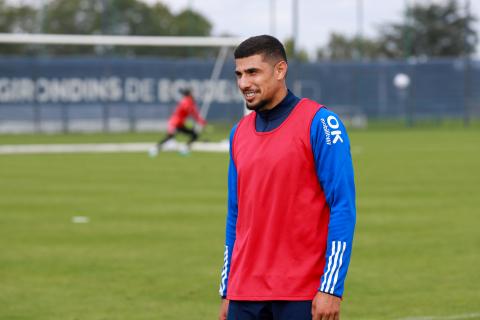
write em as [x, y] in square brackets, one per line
[217, 69]
[360, 18]
[294, 27]
[406, 32]
[294, 61]
[468, 67]
[272, 17]
[360, 27]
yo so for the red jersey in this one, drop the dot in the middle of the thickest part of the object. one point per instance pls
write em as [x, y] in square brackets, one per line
[185, 108]
[283, 216]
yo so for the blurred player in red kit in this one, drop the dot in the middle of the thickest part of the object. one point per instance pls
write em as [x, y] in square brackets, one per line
[185, 108]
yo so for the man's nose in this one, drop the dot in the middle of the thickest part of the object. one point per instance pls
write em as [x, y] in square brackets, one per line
[243, 83]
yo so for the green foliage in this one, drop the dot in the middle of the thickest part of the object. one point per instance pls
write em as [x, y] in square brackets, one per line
[112, 17]
[19, 19]
[16, 19]
[341, 47]
[191, 23]
[154, 246]
[429, 30]
[295, 53]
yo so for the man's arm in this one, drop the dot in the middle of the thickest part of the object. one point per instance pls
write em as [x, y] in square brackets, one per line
[231, 224]
[222, 315]
[196, 114]
[331, 149]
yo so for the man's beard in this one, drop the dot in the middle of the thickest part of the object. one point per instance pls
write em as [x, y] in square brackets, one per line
[257, 106]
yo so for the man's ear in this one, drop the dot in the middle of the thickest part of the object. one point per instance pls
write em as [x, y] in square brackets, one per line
[281, 70]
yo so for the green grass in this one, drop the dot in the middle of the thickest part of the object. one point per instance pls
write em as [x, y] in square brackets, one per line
[154, 246]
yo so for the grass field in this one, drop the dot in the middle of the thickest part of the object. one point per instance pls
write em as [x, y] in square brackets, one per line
[154, 246]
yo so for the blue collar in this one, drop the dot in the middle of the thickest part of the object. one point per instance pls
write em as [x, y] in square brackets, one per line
[270, 119]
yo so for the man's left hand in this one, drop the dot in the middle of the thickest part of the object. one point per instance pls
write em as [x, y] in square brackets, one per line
[326, 307]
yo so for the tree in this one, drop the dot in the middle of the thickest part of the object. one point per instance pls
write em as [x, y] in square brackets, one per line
[432, 30]
[113, 17]
[189, 22]
[341, 47]
[299, 55]
[16, 19]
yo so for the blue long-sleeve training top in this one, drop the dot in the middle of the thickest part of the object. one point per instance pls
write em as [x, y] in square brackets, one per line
[334, 169]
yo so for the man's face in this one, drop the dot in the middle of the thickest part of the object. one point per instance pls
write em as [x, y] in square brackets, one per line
[260, 81]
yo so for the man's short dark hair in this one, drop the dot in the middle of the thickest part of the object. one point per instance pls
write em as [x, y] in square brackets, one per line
[265, 45]
[186, 91]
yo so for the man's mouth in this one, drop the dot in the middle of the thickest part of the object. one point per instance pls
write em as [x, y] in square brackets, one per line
[249, 95]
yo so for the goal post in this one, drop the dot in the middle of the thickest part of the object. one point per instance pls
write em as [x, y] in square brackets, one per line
[109, 40]
[224, 44]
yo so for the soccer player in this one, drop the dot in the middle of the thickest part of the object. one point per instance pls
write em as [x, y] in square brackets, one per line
[186, 107]
[291, 198]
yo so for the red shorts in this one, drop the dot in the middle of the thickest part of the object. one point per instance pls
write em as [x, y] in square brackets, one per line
[171, 128]
[173, 125]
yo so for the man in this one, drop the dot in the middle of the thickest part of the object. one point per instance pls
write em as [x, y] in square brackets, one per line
[186, 107]
[291, 198]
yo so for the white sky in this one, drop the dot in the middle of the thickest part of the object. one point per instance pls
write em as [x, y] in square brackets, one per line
[318, 18]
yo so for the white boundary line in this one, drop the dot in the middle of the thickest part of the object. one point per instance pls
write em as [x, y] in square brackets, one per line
[108, 147]
[118, 147]
[452, 317]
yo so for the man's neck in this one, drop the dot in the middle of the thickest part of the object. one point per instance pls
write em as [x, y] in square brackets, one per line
[270, 119]
[276, 100]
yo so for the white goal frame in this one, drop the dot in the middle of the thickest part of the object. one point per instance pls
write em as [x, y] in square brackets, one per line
[108, 40]
[224, 43]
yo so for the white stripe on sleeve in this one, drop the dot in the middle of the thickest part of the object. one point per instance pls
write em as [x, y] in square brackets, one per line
[224, 272]
[322, 288]
[335, 259]
[339, 266]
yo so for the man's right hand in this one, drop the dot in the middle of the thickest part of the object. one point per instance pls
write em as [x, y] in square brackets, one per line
[223, 310]
[326, 307]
